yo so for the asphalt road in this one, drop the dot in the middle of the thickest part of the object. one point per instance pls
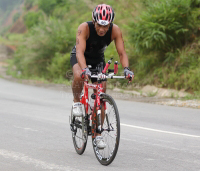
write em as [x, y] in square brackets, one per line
[35, 134]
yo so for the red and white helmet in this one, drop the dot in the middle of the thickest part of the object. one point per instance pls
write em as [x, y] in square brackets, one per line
[103, 14]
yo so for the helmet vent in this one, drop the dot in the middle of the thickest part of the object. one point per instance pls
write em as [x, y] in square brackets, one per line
[104, 12]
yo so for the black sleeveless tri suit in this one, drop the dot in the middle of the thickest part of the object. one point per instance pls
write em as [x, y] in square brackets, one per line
[95, 47]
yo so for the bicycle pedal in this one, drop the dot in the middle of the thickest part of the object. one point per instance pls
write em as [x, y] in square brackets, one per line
[72, 128]
[77, 121]
[89, 130]
[73, 134]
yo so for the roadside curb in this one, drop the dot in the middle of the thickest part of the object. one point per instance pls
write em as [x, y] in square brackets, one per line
[115, 93]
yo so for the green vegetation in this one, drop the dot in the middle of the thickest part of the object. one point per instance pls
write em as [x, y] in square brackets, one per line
[37, 59]
[195, 95]
[53, 5]
[162, 40]
[166, 44]
[165, 26]
[28, 4]
[12, 39]
[15, 17]
[152, 94]
[32, 18]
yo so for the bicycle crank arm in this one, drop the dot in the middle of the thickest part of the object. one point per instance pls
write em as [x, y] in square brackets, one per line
[108, 130]
[76, 125]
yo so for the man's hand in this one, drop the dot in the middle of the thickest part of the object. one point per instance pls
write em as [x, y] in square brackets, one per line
[128, 74]
[86, 73]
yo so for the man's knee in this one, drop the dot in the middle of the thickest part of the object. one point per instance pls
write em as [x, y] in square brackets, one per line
[77, 78]
[77, 72]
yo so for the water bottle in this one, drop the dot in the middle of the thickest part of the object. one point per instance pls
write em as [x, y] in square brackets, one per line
[91, 108]
[81, 97]
[91, 104]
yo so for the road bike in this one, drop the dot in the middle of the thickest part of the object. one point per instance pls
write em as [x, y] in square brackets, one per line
[100, 118]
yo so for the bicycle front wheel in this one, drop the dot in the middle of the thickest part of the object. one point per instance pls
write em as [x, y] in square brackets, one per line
[110, 134]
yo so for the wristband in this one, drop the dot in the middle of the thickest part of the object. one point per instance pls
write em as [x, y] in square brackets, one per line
[127, 68]
[84, 68]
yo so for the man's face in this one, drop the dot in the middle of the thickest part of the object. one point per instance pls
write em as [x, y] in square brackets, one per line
[101, 30]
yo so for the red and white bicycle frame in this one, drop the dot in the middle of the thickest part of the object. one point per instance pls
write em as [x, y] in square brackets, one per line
[85, 101]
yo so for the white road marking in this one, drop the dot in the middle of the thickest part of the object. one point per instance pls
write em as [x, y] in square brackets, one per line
[28, 129]
[184, 150]
[27, 160]
[157, 130]
[152, 144]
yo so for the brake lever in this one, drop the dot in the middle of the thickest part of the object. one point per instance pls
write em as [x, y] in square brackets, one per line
[83, 76]
[130, 79]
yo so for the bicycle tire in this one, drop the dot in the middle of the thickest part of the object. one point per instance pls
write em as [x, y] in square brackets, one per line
[99, 153]
[80, 148]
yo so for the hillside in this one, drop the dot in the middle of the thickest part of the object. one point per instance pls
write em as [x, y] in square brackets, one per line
[163, 47]
[8, 9]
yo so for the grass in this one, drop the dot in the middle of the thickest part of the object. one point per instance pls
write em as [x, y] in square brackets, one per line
[174, 95]
[3, 40]
[196, 96]
[121, 91]
[38, 79]
[62, 81]
[17, 74]
[12, 39]
[140, 91]
[152, 94]
[15, 37]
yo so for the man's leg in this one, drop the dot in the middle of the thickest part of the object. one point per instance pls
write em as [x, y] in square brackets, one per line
[77, 84]
[99, 139]
[102, 106]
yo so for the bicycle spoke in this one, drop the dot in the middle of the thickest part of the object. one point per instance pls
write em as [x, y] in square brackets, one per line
[78, 139]
[111, 120]
[110, 134]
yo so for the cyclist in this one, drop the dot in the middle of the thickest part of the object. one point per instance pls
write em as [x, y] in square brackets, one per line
[91, 41]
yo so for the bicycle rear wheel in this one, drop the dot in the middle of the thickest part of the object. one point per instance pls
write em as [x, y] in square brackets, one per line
[79, 138]
[110, 134]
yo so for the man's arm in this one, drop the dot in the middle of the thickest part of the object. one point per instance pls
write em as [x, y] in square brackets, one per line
[81, 38]
[119, 43]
